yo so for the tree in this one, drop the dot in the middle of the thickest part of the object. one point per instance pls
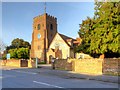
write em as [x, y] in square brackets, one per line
[19, 49]
[18, 43]
[85, 33]
[100, 34]
[23, 53]
[13, 53]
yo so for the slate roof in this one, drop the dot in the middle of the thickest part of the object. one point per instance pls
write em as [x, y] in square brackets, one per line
[65, 38]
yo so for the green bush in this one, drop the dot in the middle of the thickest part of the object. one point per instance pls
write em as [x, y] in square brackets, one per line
[20, 53]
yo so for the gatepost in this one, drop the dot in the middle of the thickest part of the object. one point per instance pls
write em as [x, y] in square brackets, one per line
[53, 63]
[36, 62]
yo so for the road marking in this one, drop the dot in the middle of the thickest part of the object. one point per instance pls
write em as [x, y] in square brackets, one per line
[47, 84]
[24, 72]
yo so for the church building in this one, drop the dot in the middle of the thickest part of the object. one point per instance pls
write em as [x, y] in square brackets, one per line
[47, 42]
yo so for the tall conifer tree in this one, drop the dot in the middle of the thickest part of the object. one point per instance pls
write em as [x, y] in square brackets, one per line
[101, 34]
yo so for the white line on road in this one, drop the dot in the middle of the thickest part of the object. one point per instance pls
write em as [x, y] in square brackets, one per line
[24, 72]
[47, 84]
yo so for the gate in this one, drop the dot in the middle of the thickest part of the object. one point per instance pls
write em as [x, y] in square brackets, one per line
[24, 63]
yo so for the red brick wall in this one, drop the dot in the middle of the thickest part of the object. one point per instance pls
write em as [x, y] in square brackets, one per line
[111, 65]
[63, 64]
[17, 63]
[90, 66]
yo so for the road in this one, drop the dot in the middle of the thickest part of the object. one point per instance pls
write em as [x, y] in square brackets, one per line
[22, 79]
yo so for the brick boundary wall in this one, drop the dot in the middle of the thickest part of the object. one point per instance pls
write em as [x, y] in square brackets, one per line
[90, 66]
[111, 65]
[11, 62]
[63, 64]
[17, 63]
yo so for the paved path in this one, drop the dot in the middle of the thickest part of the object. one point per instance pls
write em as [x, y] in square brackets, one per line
[40, 78]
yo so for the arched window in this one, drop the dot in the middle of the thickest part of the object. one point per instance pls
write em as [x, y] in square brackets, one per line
[38, 27]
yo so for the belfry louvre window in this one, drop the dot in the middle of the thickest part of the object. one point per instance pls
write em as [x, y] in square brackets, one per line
[51, 26]
[38, 27]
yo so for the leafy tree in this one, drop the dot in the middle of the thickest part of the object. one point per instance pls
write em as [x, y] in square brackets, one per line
[100, 34]
[10, 47]
[18, 43]
[19, 49]
[13, 53]
[23, 53]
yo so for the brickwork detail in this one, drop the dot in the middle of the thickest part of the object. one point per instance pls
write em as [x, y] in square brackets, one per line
[17, 63]
[63, 65]
[90, 66]
[11, 62]
[111, 65]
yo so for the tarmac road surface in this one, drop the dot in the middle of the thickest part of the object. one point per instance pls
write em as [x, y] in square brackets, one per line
[16, 78]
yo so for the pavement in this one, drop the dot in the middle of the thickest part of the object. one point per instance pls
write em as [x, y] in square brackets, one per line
[46, 69]
[71, 74]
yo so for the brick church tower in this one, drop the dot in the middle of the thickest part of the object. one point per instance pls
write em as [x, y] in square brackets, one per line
[44, 30]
